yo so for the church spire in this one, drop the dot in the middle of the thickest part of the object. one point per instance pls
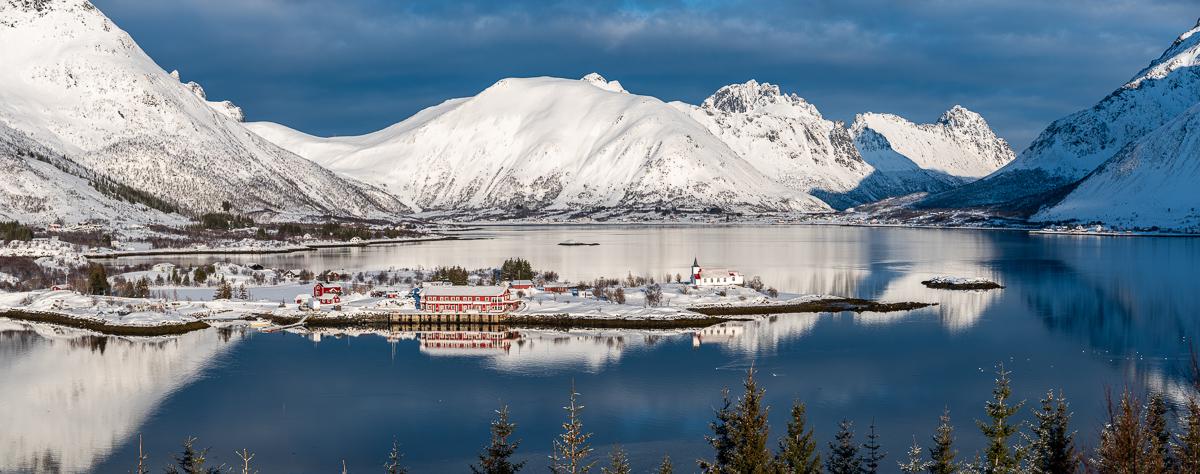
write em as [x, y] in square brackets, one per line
[695, 262]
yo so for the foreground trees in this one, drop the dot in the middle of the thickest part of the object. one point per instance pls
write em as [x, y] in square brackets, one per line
[1137, 439]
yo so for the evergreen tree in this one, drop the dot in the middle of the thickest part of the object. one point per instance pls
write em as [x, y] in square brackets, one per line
[496, 458]
[97, 280]
[999, 456]
[516, 269]
[571, 449]
[666, 467]
[872, 454]
[1187, 452]
[224, 290]
[1052, 446]
[843, 451]
[1121, 441]
[393, 465]
[916, 462]
[798, 449]
[722, 437]
[618, 462]
[942, 453]
[750, 431]
[191, 460]
[142, 288]
[1157, 438]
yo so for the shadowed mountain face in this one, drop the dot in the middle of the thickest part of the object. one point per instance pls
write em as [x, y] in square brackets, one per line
[1133, 117]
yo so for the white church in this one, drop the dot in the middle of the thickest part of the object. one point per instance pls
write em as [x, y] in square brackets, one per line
[714, 276]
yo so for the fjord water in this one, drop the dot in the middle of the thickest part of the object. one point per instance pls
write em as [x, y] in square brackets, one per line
[1080, 314]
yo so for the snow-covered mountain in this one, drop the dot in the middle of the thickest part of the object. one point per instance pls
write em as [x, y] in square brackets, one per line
[1073, 146]
[1151, 183]
[41, 186]
[551, 145]
[960, 147]
[74, 83]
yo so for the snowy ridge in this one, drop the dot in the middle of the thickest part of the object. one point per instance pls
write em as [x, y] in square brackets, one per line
[959, 145]
[81, 87]
[550, 144]
[1151, 183]
[1073, 146]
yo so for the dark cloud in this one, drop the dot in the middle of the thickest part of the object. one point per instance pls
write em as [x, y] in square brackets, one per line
[353, 66]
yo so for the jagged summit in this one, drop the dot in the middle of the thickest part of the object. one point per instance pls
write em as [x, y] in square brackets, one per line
[599, 81]
[959, 116]
[752, 95]
[960, 145]
[1183, 53]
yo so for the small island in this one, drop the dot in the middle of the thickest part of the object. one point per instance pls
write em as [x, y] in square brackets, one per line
[575, 243]
[960, 283]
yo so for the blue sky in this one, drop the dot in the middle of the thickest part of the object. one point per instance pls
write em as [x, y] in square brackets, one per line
[352, 66]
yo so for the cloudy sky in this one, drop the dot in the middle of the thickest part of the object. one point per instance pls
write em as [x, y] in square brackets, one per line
[336, 67]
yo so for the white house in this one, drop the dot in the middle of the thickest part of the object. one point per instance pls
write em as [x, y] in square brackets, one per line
[715, 276]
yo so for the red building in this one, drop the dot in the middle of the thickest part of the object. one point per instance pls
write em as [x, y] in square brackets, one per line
[555, 288]
[328, 293]
[521, 284]
[468, 299]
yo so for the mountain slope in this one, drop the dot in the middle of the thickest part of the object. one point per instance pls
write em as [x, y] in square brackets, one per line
[552, 145]
[960, 146]
[1073, 146]
[80, 86]
[41, 187]
[1151, 183]
[555, 144]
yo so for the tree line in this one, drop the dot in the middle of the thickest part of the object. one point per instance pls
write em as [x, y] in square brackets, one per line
[1136, 439]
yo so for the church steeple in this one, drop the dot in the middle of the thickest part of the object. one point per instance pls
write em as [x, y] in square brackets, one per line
[695, 262]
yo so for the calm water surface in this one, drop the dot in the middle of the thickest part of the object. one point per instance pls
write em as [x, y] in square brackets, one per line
[1078, 314]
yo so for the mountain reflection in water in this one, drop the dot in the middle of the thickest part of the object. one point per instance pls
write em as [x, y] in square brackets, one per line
[1079, 314]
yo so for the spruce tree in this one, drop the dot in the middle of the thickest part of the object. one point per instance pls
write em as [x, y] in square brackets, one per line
[916, 462]
[872, 454]
[1052, 445]
[392, 466]
[571, 449]
[798, 449]
[1157, 437]
[750, 432]
[843, 451]
[618, 462]
[496, 458]
[999, 456]
[97, 280]
[666, 467]
[191, 460]
[942, 453]
[722, 437]
[1187, 451]
[1121, 441]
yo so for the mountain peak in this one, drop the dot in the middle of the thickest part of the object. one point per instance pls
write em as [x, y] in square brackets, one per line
[959, 116]
[1184, 52]
[599, 81]
[751, 95]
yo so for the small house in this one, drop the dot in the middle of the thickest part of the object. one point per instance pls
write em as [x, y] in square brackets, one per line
[555, 288]
[715, 276]
[521, 284]
[327, 293]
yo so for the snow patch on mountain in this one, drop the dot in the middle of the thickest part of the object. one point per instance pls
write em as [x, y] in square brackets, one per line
[225, 107]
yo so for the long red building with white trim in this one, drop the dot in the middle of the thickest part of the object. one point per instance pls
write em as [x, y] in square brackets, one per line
[468, 299]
